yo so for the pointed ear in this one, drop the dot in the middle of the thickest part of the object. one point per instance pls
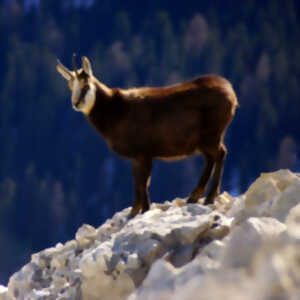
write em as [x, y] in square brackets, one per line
[86, 65]
[64, 71]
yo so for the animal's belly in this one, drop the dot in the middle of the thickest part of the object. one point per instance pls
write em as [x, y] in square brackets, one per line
[160, 148]
[166, 138]
[175, 157]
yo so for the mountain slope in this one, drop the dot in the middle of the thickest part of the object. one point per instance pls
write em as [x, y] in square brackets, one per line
[244, 248]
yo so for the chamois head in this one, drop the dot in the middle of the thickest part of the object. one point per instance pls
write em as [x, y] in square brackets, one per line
[81, 83]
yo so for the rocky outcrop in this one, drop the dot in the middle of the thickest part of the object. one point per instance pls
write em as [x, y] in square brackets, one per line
[246, 247]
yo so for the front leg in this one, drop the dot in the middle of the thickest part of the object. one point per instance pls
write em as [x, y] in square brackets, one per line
[141, 173]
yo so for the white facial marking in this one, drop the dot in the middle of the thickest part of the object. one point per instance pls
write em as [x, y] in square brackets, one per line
[89, 100]
[76, 91]
[87, 103]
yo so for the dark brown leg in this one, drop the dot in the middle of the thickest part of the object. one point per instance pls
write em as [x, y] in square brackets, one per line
[141, 172]
[216, 181]
[201, 186]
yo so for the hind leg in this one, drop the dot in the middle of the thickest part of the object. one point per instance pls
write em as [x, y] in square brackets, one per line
[141, 173]
[201, 186]
[218, 172]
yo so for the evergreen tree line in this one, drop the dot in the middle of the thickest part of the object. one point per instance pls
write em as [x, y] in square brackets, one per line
[55, 171]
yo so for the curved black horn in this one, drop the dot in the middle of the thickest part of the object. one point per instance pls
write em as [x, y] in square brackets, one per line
[74, 64]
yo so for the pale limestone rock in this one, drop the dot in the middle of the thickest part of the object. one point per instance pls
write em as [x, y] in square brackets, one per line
[273, 274]
[215, 286]
[247, 238]
[283, 178]
[102, 286]
[293, 222]
[118, 255]
[160, 269]
[145, 238]
[86, 235]
[162, 206]
[184, 275]
[179, 251]
[188, 232]
[133, 261]
[206, 264]
[289, 198]
[236, 208]
[3, 293]
[59, 261]
[261, 194]
[196, 210]
[224, 202]
[48, 273]
[225, 199]
[180, 255]
[189, 282]
[149, 250]
[219, 227]
[213, 250]
[23, 281]
[163, 278]
[95, 261]
[170, 226]
[179, 202]
[41, 295]
[159, 282]
[276, 266]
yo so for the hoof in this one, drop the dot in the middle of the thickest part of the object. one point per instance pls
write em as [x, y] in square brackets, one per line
[144, 210]
[132, 213]
[145, 207]
[209, 200]
[192, 200]
[130, 216]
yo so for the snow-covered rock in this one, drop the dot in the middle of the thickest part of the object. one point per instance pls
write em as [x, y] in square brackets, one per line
[241, 248]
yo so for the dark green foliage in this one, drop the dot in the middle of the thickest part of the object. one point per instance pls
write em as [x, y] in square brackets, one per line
[55, 171]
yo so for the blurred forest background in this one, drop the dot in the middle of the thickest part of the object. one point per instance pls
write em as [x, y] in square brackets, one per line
[55, 171]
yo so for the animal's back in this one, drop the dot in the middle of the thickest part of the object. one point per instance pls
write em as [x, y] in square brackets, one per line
[202, 85]
[175, 120]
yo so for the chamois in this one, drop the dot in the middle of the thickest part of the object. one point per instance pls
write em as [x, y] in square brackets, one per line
[171, 122]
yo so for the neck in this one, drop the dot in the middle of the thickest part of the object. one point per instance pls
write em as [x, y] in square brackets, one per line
[107, 110]
[103, 95]
[105, 90]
